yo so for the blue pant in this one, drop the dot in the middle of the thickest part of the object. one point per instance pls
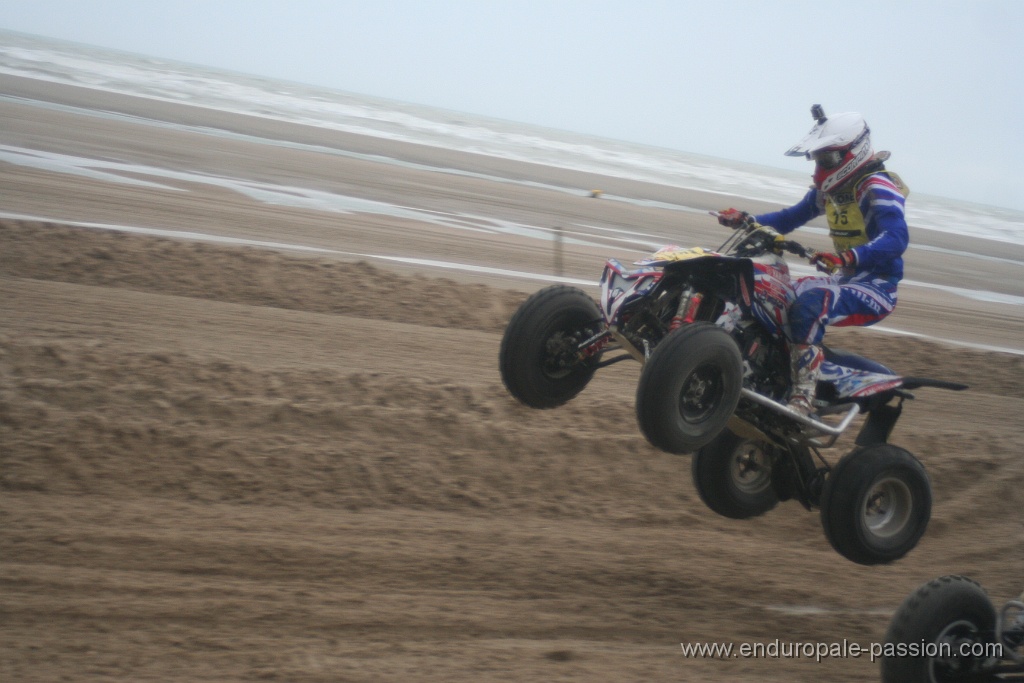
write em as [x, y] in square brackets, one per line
[824, 300]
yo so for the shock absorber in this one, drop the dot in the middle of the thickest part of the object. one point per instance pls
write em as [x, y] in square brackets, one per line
[686, 311]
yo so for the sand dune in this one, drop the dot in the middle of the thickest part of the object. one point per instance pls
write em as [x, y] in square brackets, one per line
[224, 463]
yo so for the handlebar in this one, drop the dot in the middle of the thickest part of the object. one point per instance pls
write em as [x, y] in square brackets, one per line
[796, 248]
[777, 244]
[771, 240]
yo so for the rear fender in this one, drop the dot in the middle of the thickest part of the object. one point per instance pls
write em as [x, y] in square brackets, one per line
[850, 383]
[918, 382]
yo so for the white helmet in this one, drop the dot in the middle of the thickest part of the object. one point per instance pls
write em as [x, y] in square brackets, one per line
[839, 145]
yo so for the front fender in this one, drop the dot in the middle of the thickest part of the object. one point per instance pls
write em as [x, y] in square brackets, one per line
[621, 286]
[727, 278]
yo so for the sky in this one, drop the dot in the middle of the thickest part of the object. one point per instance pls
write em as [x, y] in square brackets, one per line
[939, 81]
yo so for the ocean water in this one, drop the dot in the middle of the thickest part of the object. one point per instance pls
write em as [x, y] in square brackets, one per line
[99, 68]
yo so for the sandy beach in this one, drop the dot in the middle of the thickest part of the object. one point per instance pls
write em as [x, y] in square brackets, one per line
[226, 462]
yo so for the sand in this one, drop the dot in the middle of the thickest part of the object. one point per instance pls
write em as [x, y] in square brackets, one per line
[223, 463]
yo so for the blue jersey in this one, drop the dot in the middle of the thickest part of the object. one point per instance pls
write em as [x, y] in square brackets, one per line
[868, 220]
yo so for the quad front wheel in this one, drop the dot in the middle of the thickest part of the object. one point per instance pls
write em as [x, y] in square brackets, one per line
[943, 631]
[689, 388]
[540, 360]
[876, 504]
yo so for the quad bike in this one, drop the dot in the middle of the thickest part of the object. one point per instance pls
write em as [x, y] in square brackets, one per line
[948, 630]
[709, 329]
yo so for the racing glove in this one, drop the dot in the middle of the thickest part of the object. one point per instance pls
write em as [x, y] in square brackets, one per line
[732, 218]
[828, 262]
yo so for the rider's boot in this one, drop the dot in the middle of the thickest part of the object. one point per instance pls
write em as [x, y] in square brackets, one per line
[805, 365]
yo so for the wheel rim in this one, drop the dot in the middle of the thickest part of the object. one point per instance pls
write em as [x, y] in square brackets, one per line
[700, 394]
[949, 664]
[559, 355]
[750, 470]
[887, 507]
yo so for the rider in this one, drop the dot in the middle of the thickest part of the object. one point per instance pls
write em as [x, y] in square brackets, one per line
[864, 206]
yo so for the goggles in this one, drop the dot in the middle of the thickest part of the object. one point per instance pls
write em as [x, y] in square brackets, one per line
[828, 158]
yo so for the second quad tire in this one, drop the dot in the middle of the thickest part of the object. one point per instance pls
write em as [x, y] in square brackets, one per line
[689, 388]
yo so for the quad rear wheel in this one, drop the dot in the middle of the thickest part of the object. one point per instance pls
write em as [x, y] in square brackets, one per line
[733, 476]
[876, 504]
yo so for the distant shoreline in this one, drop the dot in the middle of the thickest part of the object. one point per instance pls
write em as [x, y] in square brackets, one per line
[405, 123]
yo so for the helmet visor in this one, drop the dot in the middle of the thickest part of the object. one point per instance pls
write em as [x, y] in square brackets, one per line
[828, 158]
